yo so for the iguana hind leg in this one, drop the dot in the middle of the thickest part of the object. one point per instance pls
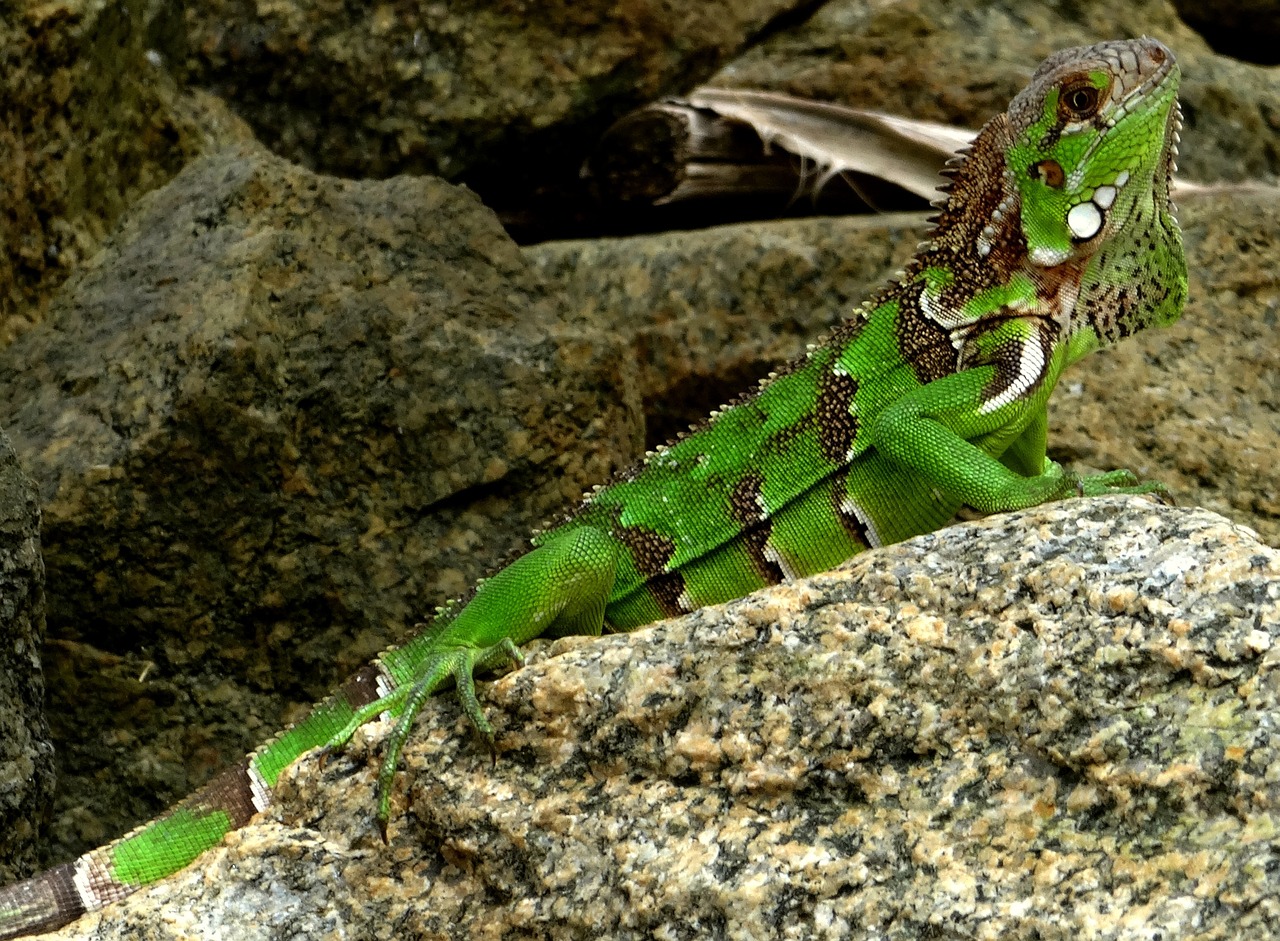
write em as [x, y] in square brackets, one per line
[559, 588]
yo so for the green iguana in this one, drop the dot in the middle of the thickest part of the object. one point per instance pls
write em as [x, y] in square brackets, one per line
[1056, 235]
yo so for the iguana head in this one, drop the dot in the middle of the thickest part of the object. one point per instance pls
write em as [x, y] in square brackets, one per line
[1069, 190]
[1093, 144]
[1095, 131]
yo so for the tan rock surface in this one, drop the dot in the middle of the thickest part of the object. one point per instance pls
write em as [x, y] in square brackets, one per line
[1058, 723]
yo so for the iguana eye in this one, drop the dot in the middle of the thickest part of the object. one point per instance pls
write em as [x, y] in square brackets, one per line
[1080, 100]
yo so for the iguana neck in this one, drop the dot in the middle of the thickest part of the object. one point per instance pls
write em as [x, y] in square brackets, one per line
[977, 236]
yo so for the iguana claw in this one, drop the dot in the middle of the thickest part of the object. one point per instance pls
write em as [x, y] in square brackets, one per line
[456, 663]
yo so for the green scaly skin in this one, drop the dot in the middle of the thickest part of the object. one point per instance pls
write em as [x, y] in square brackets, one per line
[1056, 236]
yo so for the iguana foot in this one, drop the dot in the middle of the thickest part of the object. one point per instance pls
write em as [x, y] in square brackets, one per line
[432, 671]
[1121, 481]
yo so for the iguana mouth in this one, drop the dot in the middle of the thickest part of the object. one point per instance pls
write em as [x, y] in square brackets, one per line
[1149, 94]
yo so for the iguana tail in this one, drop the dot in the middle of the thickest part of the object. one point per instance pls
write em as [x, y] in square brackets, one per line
[166, 844]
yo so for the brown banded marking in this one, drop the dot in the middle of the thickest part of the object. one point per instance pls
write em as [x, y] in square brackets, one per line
[367, 685]
[235, 792]
[847, 331]
[231, 793]
[747, 507]
[1020, 364]
[977, 234]
[94, 883]
[842, 335]
[49, 900]
[836, 420]
[240, 792]
[652, 552]
[924, 343]
[780, 440]
[855, 520]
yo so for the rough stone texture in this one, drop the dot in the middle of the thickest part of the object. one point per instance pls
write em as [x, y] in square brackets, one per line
[710, 312]
[1196, 406]
[962, 62]
[89, 120]
[1058, 724]
[273, 423]
[441, 87]
[26, 755]
[214, 446]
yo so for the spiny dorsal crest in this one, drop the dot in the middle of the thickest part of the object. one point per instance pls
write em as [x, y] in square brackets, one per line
[1044, 189]
[1085, 150]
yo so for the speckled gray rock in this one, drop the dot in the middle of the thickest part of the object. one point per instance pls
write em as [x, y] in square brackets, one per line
[961, 62]
[1059, 723]
[1196, 406]
[278, 419]
[89, 120]
[440, 87]
[26, 755]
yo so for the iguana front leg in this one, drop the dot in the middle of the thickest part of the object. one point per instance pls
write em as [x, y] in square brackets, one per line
[932, 430]
[1026, 456]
